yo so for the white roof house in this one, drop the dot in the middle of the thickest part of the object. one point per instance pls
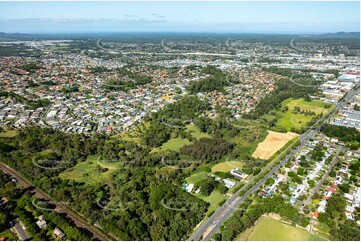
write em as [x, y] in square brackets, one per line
[190, 187]
[228, 183]
[41, 222]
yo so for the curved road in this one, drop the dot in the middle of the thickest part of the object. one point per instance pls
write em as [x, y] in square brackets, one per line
[301, 50]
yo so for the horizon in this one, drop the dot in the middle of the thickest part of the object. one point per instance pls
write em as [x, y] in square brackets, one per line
[179, 32]
[192, 17]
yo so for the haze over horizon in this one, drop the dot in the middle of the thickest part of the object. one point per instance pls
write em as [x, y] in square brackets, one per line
[218, 17]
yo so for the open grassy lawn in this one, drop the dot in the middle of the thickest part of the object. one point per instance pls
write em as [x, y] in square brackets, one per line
[272, 230]
[195, 132]
[8, 133]
[175, 144]
[316, 106]
[323, 229]
[213, 199]
[299, 120]
[88, 173]
[196, 177]
[227, 166]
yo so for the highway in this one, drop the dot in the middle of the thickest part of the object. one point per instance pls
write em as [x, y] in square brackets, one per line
[301, 50]
[211, 225]
[59, 208]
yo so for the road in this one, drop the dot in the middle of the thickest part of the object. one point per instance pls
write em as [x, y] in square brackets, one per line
[320, 182]
[301, 50]
[217, 219]
[213, 223]
[59, 208]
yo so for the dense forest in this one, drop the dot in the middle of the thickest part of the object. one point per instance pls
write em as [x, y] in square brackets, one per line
[342, 133]
[139, 188]
[208, 149]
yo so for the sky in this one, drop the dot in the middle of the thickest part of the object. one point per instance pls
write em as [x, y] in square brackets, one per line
[242, 17]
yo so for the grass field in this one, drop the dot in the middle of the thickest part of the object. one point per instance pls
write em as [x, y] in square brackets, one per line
[213, 199]
[273, 142]
[272, 230]
[8, 133]
[291, 120]
[196, 177]
[195, 132]
[227, 166]
[175, 144]
[88, 173]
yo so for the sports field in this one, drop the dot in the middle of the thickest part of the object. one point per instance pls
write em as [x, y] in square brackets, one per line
[273, 142]
[272, 230]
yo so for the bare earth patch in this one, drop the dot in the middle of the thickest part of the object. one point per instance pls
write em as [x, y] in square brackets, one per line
[273, 142]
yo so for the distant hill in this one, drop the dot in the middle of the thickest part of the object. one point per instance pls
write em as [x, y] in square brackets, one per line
[342, 34]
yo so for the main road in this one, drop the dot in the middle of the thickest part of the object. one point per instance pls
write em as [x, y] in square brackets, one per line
[217, 219]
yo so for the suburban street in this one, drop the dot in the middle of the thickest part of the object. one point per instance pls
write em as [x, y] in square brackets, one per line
[319, 184]
[217, 219]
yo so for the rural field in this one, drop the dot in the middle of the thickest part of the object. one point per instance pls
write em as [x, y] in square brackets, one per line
[291, 120]
[273, 142]
[272, 230]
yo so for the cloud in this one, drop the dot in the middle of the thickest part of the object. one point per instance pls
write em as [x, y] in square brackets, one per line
[158, 15]
[71, 21]
[131, 16]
